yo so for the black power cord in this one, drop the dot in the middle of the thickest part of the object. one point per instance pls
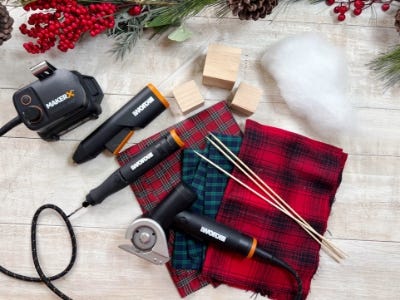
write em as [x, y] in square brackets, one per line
[42, 277]
[10, 125]
[264, 255]
[259, 253]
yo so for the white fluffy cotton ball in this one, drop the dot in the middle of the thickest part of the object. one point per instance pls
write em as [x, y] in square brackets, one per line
[312, 77]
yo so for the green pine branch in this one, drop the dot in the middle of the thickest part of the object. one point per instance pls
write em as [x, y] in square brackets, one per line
[128, 30]
[174, 15]
[387, 67]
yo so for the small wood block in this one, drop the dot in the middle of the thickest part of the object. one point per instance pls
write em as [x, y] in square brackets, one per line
[222, 66]
[246, 99]
[188, 96]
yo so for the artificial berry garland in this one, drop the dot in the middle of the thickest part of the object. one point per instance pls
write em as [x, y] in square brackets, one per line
[356, 7]
[64, 21]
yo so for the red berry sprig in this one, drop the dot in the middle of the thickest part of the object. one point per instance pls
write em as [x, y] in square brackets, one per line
[355, 6]
[64, 21]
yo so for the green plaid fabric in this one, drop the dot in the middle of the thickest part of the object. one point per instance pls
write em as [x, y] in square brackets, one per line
[185, 257]
[209, 185]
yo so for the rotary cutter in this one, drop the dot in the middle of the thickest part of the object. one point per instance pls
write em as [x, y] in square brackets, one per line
[148, 237]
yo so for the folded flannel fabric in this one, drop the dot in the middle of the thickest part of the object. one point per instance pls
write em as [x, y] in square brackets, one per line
[304, 172]
[209, 184]
[157, 183]
[183, 257]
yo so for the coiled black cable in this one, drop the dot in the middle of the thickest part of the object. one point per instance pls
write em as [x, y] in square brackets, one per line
[264, 255]
[10, 125]
[42, 277]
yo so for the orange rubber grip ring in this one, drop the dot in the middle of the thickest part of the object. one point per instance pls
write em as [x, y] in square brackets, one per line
[252, 249]
[176, 138]
[159, 96]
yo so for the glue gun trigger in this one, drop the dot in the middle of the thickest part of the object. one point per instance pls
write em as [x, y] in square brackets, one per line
[119, 140]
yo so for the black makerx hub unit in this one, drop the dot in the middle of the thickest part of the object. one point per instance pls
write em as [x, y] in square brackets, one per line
[58, 102]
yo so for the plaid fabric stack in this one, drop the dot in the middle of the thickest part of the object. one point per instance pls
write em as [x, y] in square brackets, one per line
[304, 172]
[209, 184]
[157, 183]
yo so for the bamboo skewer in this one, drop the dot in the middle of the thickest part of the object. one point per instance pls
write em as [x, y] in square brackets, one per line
[332, 254]
[270, 192]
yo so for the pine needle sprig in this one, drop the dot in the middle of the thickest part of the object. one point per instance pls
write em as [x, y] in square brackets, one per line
[221, 8]
[175, 15]
[387, 67]
[315, 1]
[128, 30]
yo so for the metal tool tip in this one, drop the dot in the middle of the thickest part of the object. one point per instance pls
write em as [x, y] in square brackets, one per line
[75, 211]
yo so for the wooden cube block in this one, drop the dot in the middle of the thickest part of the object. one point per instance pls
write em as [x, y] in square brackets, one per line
[188, 96]
[246, 99]
[222, 66]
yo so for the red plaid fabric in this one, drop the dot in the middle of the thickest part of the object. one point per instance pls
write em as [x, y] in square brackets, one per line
[157, 183]
[304, 172]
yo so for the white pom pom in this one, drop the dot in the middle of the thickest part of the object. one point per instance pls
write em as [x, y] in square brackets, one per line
[312, 77]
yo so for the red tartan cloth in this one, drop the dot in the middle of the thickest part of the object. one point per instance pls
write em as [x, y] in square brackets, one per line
[157, 183]
[304, 172]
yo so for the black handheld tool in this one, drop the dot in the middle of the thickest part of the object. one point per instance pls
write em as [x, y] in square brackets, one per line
[147, 232]
[118, 129]
[136, 167]
[149, 240]
[56, 103]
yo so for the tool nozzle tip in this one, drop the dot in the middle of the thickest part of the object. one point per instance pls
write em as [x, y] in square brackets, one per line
[83, 154]
[79, 155]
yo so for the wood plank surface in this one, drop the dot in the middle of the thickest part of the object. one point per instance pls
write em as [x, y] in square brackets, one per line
[365, 216]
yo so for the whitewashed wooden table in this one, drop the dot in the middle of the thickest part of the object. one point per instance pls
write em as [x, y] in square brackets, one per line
[365, 217]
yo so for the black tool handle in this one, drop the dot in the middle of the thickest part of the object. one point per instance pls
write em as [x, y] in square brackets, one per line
[111, 185]
[209, 231]
[136, 167]
[137, 113]
[181, 198]
[151, 156]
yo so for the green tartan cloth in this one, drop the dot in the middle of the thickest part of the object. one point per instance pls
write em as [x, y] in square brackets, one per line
[209, 185]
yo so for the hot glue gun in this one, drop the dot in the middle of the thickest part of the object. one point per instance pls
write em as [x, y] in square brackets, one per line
[118, 129]
[149, 240]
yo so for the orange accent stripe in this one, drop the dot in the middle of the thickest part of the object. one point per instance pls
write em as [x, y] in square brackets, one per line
[177, 139]
[252, 249]
[124, 141]
[160, 97]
